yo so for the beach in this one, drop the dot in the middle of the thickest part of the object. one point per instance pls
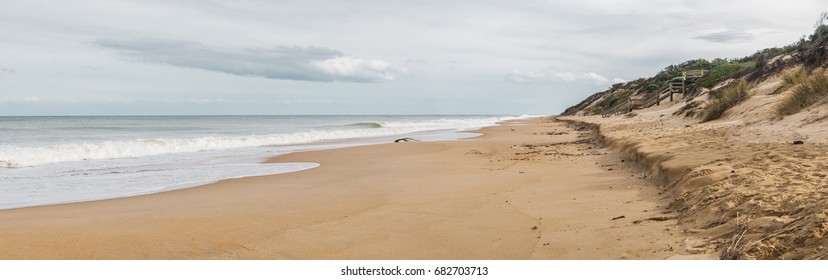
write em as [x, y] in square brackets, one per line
[528, 189]
[370, 131]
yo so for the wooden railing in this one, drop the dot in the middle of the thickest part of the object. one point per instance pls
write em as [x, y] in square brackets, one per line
[670, 89]
[688, 78]
[694, 74]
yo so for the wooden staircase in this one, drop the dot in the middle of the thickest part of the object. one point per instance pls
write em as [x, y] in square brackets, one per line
[686, 84]
[687, 81]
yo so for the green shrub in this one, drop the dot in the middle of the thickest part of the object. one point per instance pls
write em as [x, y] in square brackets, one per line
[720, 72]
[698, 64]
[717, 62]
[820, 32]
[614, 99]
[813, 90]
[726, 99]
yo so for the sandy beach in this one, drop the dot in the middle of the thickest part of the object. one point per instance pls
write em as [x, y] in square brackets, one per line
[533, 189]
[539, 130]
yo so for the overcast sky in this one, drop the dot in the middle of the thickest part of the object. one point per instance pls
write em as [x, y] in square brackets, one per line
[360, 57]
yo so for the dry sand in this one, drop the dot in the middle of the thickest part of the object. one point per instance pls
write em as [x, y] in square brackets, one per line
[533, 190]
[739, 183]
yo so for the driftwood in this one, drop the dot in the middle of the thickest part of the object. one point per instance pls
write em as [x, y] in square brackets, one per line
[657, 219]
[406, 139]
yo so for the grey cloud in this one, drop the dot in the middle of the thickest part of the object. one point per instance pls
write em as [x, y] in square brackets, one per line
[554, 44]
[726, 36]
[524, 77]
[7, 70]
[280, 62]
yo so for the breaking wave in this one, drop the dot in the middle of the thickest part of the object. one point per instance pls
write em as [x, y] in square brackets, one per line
[12, 156]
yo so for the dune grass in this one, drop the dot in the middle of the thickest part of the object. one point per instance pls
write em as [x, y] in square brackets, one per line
[726, 99]
[791, 79]
[812, 90]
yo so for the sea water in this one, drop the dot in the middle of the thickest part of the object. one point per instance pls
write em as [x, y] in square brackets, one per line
[51, 160]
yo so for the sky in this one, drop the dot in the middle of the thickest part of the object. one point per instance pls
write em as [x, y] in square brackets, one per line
[123, 57]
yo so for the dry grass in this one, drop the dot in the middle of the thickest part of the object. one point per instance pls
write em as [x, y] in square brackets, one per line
[726, 99]
[735, 249]
[791, 79]
[689, 110]
[812, 90]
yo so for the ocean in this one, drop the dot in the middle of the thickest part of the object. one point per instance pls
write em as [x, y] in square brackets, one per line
[52, 160]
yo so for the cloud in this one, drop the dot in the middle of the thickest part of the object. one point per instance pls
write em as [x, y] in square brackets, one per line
[372, 69]
[595, 77]
[280, 62]
[522, 77]
[206, 100]
[726, 36]
[7, 70]
[23, 100]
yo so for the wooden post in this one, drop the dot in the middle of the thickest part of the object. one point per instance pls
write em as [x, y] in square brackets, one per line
[658, 97]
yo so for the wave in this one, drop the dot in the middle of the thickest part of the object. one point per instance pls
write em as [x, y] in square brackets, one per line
[366, 125]
[16, 156]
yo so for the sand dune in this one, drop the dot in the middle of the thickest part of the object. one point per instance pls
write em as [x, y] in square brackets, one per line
[738, 182]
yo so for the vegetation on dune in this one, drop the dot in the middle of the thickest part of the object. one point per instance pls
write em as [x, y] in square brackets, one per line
[722, 69]
[726, 99]
[792, 78]
[813, 50]
[690, 109]
[614, 99]
[807, 89]
[810, 52]
[811, 91]
[673, 72]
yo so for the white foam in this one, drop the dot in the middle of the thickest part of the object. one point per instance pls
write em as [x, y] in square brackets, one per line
[96, 180]
[12, 156]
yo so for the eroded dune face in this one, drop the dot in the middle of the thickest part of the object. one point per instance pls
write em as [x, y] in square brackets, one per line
[752, 183]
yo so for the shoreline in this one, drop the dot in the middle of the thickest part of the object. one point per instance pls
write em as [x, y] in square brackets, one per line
[507, 194]
[442, 135]
[90, 180]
